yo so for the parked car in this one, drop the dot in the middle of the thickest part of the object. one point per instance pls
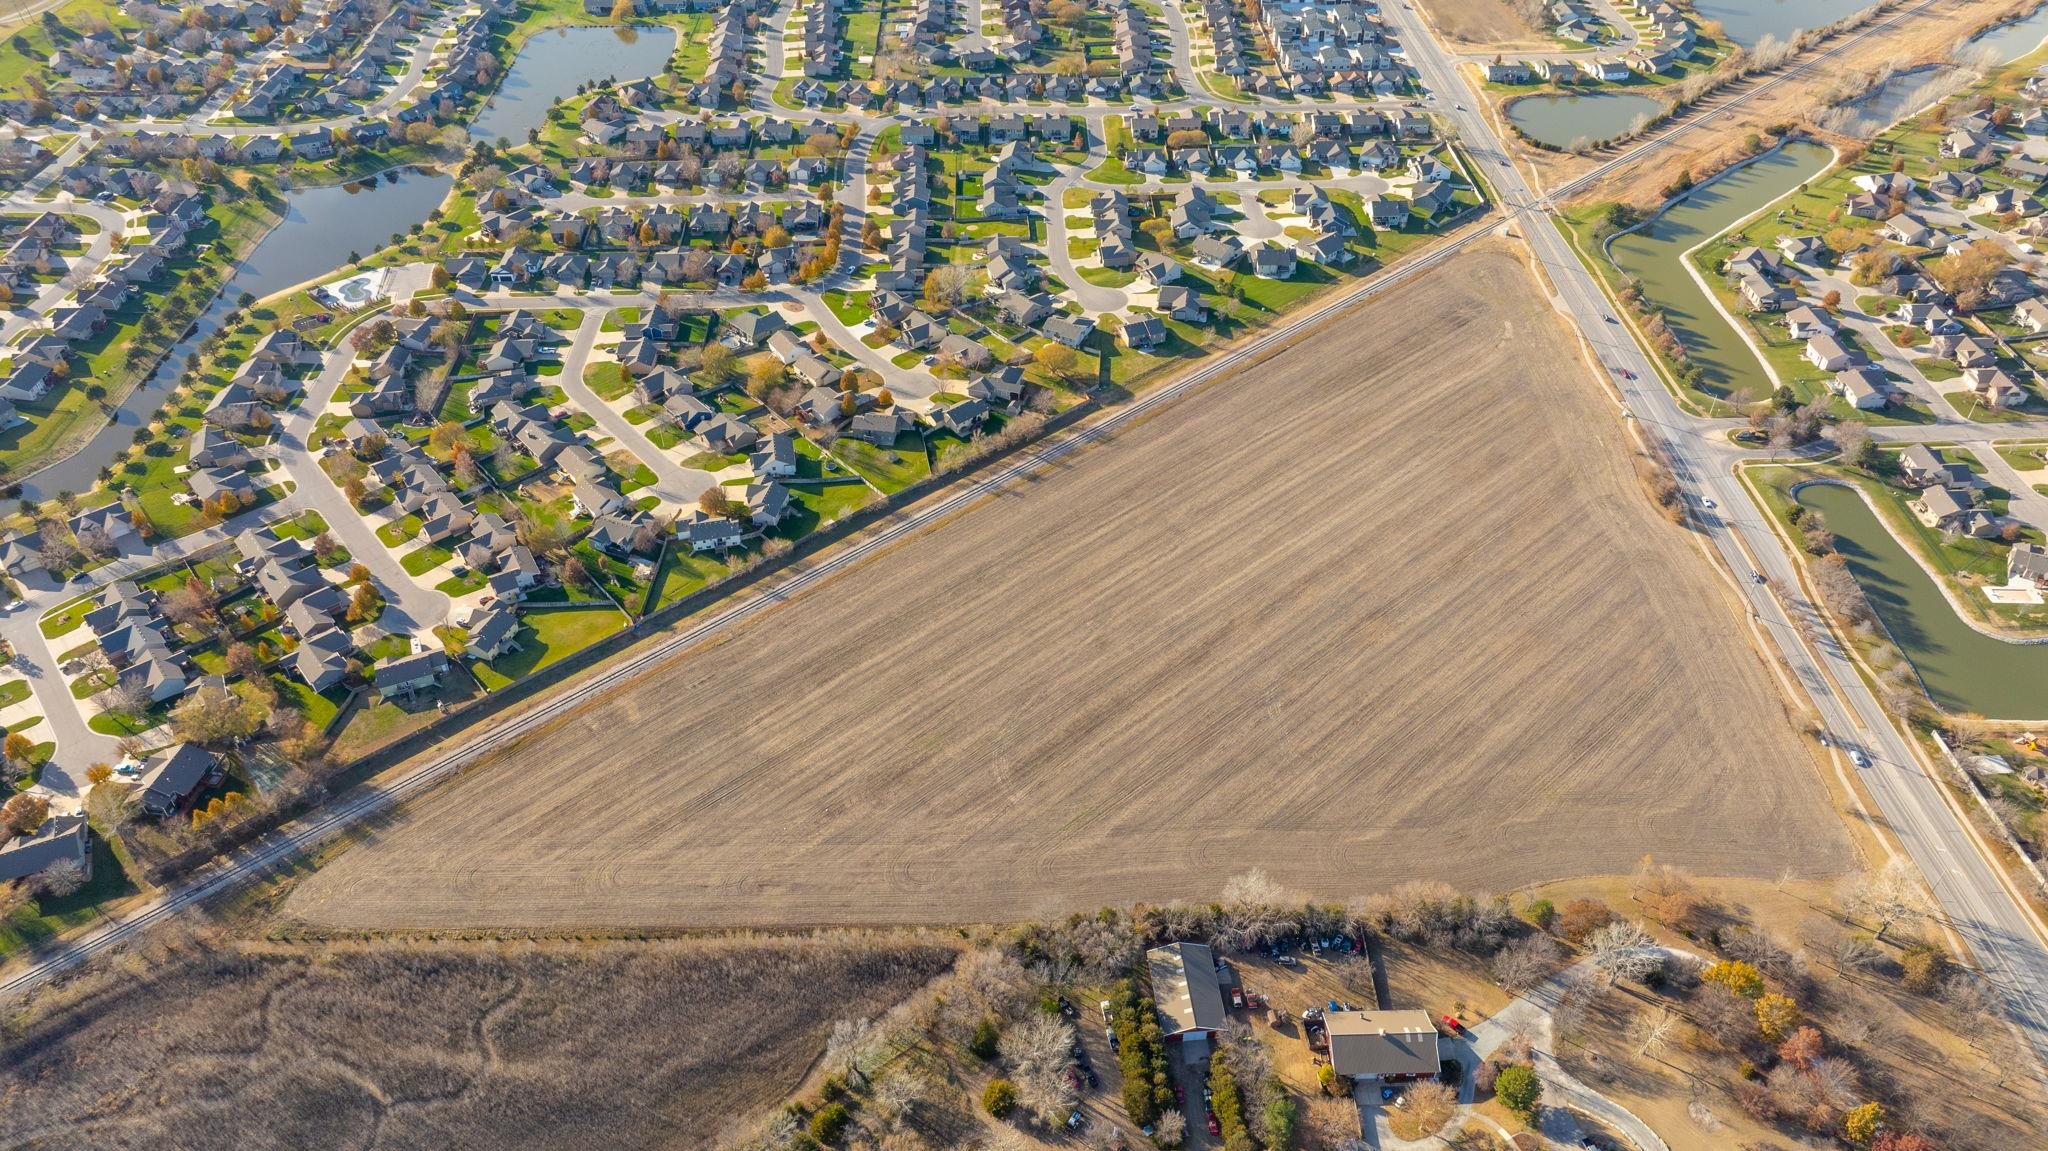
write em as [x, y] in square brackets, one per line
[1452, 1025]
[1215, 1128]
[1237, 997]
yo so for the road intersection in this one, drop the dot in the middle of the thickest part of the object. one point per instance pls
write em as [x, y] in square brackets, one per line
[1999, 928]
[1979, 905]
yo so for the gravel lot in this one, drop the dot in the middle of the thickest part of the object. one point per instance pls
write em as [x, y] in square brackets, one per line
[1389, 605]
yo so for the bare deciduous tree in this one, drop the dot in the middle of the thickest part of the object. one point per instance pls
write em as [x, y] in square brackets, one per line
[1652, 1033]
[1431, 1105]
[1889, 897]
[850, 1047]
[1624, 951]
[1036, 1049]
[1526, 962]
[61, 878]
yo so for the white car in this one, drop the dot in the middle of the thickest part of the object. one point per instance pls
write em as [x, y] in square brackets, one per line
[1859, 759]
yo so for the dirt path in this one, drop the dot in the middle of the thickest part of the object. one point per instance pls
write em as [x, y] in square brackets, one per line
[1389, 605]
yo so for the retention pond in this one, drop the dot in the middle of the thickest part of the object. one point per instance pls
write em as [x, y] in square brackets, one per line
[554, 62]
[1560, 120]
[1654, 256]
[1965, 670]
[1748, 21]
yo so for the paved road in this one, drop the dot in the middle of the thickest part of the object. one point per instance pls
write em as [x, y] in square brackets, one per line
[673, 482]
[293, 839]
[409, 605]
[1998, 928]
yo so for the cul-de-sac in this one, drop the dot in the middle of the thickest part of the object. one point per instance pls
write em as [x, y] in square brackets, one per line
[908, 575]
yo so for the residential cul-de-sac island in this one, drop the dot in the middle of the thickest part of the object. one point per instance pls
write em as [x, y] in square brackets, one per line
[320, 503]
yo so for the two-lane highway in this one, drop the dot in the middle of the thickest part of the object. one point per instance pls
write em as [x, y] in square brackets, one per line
[1999, 929]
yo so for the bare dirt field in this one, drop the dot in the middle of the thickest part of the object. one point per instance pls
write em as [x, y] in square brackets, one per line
[441, 1046]
[1390, 605]
[1474, 25]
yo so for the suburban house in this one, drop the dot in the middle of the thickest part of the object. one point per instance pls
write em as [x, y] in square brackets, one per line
[409, 675]
[1995, 386]
[2027, 563]
[171, 777]
[1188, 996]
[60, 839]
[1761, 295]
[1828, 353]
[1383, 1046]
[1805, 322]
[1951, 510]
[1923, 466]
[1863, 387]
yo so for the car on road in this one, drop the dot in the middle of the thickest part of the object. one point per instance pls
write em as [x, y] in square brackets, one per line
[1859, 759]
[1627, 375]
[1610, 319]
[1707, 502]
[1214, 1127]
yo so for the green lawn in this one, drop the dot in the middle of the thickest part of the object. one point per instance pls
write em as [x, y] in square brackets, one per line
[889, 469]
[547, 636]
[683, 573]
[318, 709]
[66, 618]
[426, 558]
[50, 916]
[13, 692]
[609, 381]
[398, 531]
[462, 585]
[850, 308]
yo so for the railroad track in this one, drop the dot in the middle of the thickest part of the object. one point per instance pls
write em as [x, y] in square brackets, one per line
[374, 799]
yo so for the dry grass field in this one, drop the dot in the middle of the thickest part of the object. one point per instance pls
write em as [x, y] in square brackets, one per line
[1390, 605]
[444, 1046]
[1475, 25]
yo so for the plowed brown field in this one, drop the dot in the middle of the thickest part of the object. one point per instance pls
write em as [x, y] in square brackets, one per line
[1389, 605]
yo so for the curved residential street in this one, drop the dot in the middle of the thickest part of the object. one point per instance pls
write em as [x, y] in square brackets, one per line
[1978, 902]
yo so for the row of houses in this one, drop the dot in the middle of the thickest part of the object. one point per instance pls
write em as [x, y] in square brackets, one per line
[1331, 47]
[523, 268]
[1271, 125]
[1668, 40]
[1226, 37]
[1020, 26]
[821, 49]
[41, 356]
[1006, 87]
[727, 49]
